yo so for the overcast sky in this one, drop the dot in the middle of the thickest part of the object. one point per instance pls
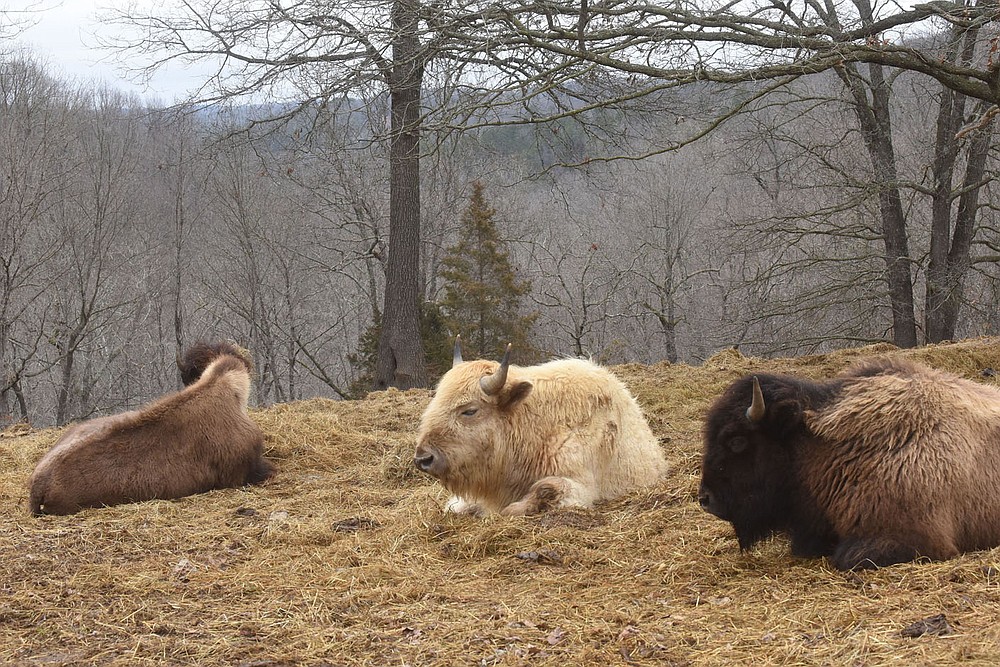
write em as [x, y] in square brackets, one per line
[63, 37]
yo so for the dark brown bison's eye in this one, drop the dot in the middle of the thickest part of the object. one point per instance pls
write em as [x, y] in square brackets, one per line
[737, 445]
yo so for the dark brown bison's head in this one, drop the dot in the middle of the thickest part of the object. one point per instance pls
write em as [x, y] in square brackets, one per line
[748, 474]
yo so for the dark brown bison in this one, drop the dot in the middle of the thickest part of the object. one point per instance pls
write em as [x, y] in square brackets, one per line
[194, 440]
[889, 462]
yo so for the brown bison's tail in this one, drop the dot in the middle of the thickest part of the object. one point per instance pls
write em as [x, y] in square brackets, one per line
[260, 471]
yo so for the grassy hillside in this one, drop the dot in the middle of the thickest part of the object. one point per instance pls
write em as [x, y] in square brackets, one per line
[345, 558]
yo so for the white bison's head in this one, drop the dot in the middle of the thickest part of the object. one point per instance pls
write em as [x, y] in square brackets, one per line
[467, 421]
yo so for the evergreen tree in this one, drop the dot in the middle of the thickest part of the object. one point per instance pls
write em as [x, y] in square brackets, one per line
[482, 294]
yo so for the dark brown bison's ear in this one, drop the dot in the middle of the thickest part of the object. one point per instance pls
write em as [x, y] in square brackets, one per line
[513, 394]
[785, 414]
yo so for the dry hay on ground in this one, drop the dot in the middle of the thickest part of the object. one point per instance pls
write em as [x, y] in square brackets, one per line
[347, 559]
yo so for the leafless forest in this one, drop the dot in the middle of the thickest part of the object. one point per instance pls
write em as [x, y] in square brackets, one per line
[128, 230]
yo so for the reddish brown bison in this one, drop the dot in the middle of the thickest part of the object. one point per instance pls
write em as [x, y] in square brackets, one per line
[889, 462]
[522, 440]
[194, 440]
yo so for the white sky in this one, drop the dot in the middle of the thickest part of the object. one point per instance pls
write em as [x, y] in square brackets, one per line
[64, 38]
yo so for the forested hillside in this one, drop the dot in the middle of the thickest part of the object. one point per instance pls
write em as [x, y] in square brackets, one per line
[128, 231]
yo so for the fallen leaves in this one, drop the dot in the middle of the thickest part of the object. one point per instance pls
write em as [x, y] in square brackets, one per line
[543, 557]
[354, 524]
[932, 625]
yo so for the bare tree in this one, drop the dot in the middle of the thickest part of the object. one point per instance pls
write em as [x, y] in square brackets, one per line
[244, 276]
[871, 98]
[747, 40]
[953, 228]
[579, 269]
[315, 52]
[752, 41]
[15, 20]
[439, 67]
[343, 188]
[660, 220]
[287, 271]
[334, 186]
[184, 178]
[34, 127]
[96, 223]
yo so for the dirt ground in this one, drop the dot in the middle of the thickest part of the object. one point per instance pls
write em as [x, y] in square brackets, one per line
[346, 558]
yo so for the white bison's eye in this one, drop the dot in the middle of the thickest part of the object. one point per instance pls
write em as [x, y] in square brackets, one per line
[469, 412]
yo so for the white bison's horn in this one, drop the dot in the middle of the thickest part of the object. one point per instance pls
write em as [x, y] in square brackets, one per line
[457, 358]
[756, 410]
[492, 384]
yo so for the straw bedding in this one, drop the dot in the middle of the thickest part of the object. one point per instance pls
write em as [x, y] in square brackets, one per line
[345, 558]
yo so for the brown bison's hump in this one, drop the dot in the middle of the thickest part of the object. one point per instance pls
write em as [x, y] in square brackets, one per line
[200, 422]
[906, 447]
[221, 389]
[886, 366]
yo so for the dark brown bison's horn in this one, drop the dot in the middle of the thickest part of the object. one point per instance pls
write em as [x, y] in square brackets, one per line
[457, 358]
[492, 384]
[756, 410]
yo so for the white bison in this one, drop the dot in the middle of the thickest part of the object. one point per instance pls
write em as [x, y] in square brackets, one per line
[521, 440]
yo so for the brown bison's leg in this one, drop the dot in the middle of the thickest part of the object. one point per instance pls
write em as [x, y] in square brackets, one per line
[260, 471]
[548, 493]
[861, 553]
[57, 506]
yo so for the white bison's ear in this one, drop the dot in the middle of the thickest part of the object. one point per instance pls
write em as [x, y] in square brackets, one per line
[513, 394]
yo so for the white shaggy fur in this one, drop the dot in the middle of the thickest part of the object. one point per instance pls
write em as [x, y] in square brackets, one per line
[564, 433]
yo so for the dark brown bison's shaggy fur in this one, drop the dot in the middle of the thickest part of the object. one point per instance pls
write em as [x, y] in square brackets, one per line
[194, 440]
[889, 462]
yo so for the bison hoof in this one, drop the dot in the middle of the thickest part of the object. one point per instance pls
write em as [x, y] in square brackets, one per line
[519, 508]
[458, 505]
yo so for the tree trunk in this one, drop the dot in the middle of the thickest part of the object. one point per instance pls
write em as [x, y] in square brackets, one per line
[400, 361]
[179, 220]
[22, 402]
[7, 376]
[68, 353]
[876, 129]
[950, 251]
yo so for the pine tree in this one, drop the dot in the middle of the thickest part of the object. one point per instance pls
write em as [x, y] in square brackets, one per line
[482, 294]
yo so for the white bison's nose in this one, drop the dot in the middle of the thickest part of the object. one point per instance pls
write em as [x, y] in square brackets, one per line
[430, 460]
